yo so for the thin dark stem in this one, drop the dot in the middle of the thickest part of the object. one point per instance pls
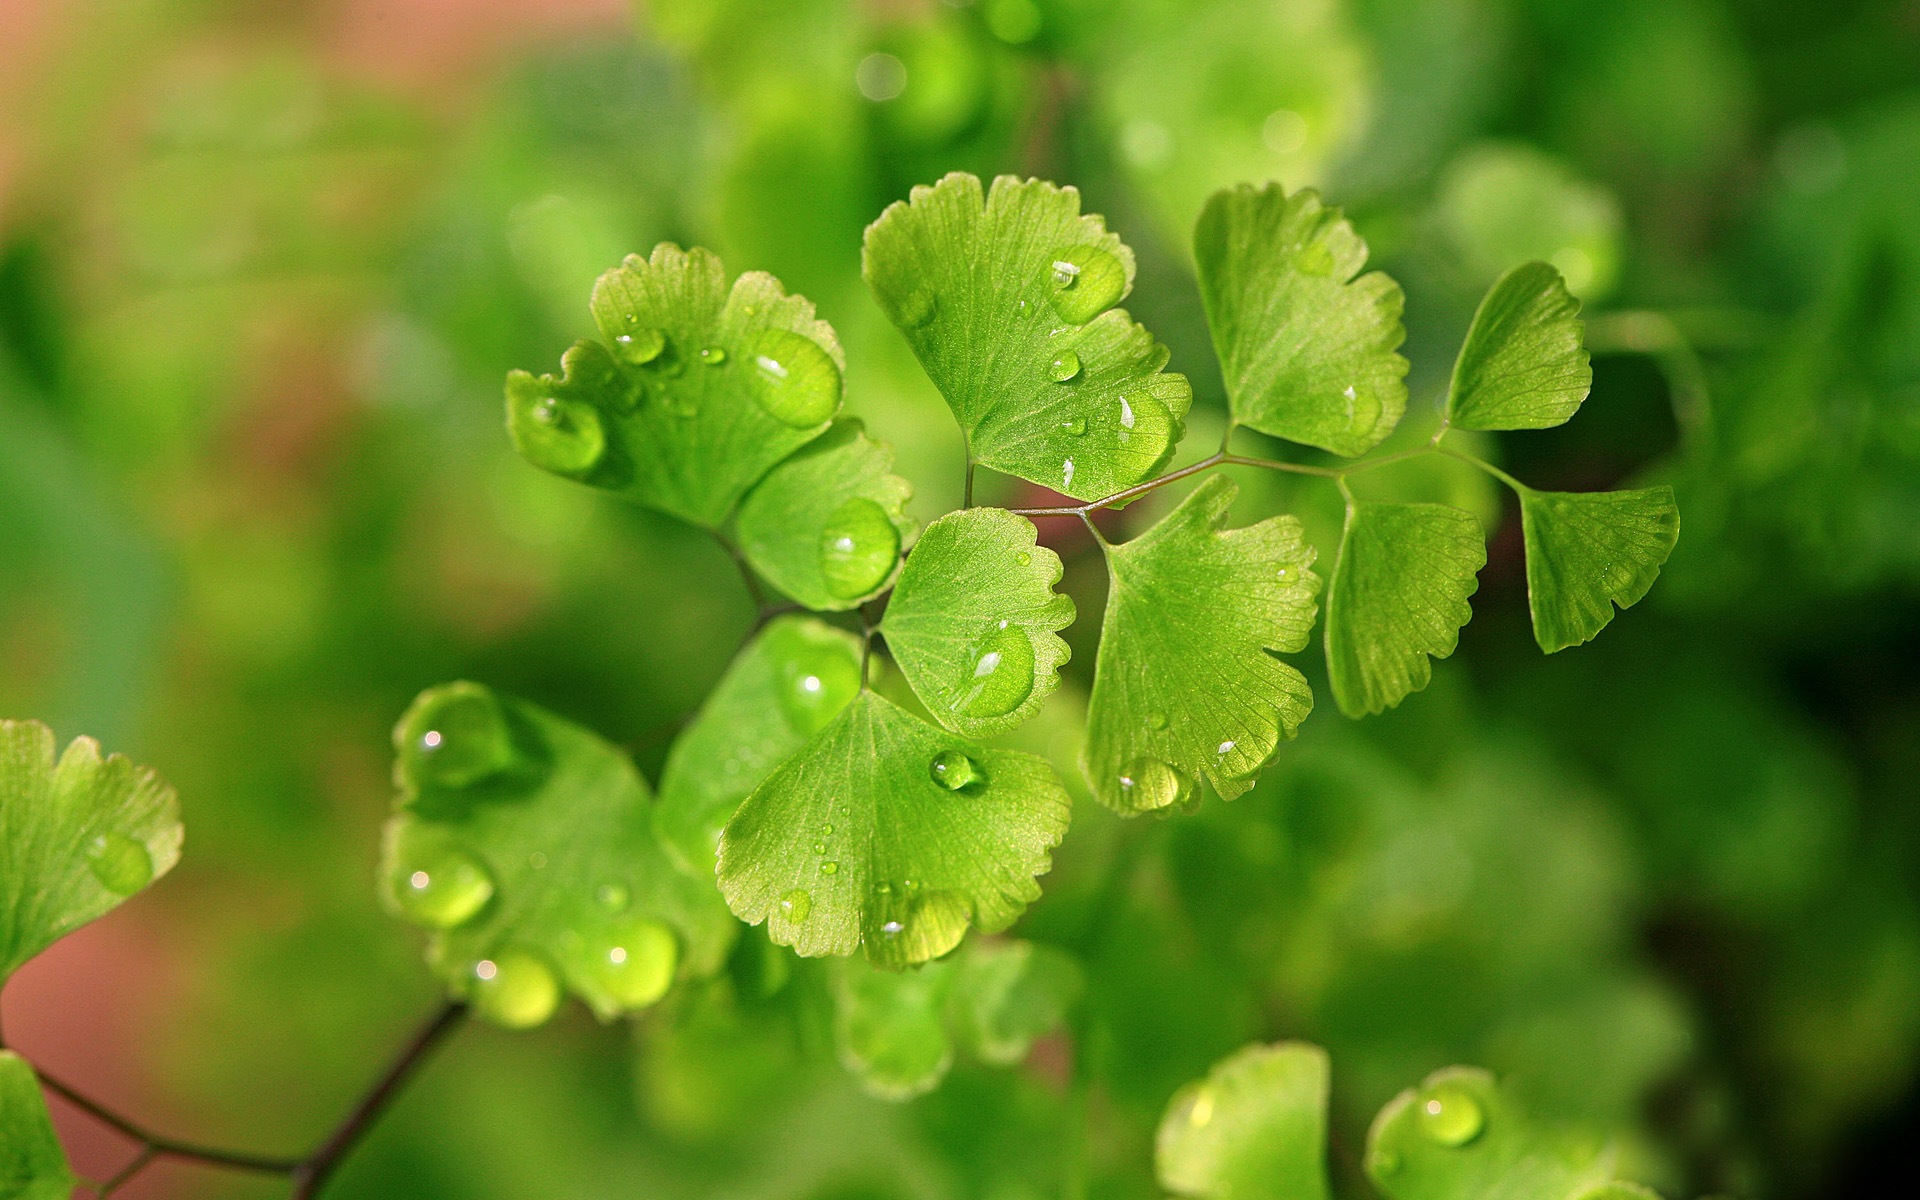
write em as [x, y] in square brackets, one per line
[140, 1161]
[154, 1146]
[310, 1176]
[1484, 465]
[966, 494]
[1269, 464]
[754, 591]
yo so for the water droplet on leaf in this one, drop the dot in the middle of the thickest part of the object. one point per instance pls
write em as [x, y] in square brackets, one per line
[565, 436]
[713, 356]
[517, 989]
[956, 772]
[858, 548]
[830, 867]
[1451, 1115]
[1000, 676]
[630, 961]
[915, 307]
[1156, 720]
[1143, 430]
[794, 379]
[1093, 285]
[1065, 367]
[639, 347]
[458, 738]
[121, 864]
[795, 905]
[1315, 258]
[437, 884]
[1150, 783]
[816, 681]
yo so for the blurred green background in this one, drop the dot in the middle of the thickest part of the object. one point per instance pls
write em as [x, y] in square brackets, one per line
[263, 265]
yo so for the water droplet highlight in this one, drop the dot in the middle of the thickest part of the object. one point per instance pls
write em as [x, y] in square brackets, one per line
[1451, 1115]
[858, 548]
[554, 433]
[639, 347]
[956, 772]
[1094, 279]
[457, 738]
[1143, 432]
[713, 356]
[794, 379]
[1000, 674]
[829, 868]
[815, 681]
[795, 905]
[517, 989]
[1064, 367]
[121, 864]
[436, 883]
[1149, 783]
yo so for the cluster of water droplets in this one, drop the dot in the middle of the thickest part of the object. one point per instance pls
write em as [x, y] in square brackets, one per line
[790, 375]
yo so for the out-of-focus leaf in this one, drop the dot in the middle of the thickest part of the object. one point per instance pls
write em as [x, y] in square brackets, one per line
[1254, 1129]
[33, 1166]
[1459, 1137]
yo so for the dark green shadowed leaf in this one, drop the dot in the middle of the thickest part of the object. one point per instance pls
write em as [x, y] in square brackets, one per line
[1186, 685]
[1399, 594]
[77, 837]
[32, 1164]
[1590, 551]
[1309, 346]
[1254, 1129]
[826, 526]
[1007, 298]
[890, 832]
[973, 621]
[526, 844]
[784, 686]
[695, 391]
[1524, 363]
[1459, 1137]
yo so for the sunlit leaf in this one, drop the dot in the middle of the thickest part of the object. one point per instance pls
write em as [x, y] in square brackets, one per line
[1590, 551]
[1186, 686]
[694, 393]
[1254, 1129]
[77, 837]
[1309, 345]
[33, 1166]
[1524, 363]
[784, 686]
[894, 834]
[1399, 594]
[826, 526]
[1007, 298]
[973, 621]
[526, 844]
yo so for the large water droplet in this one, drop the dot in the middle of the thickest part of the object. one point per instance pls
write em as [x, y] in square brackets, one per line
[437, 884]
[794, 379]
[558, 434]
[957, 772]
[1094, 281]
[516, 989]
[1149, 783]
[1143, 429]
[640, 346]
[458, 738]
[121, 864]
[1064, 367]
[815, 680]
[1450, 1114]
[796, 905]
[631, 961]
[1000, 674]
[858, 548]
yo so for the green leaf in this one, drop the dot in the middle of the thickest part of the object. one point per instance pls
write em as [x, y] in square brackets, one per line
[889, 1027]
[696, 391]
[826, 525]
[1308, 345]
[973, 621]
[1524, 363]
[1459, 1137]
[525, 842]
[77, 837]
[889, 832]
[1399, 593]
[785, 686]
[1007, 994]
[1588, 551]
[33, 1166]
[1254, 1129]
[1007, 299]
[1186, 685]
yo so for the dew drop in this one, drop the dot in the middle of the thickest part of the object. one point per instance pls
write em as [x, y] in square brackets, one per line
[1095, 280]
[814, 681]
[436, 883]
[1315, 258]
[1064, 367]
[827, 830]
[713, 356]
[829, 867]
[858, 548]
[1143, 430]
[516, 989]
[892, 928]
[1024, 558]
[1451, 1115]
[956, 772]
[794, 379]
[614, 897]
[796, 905]
[819, 847]
[639, 347]
[915, 307]
[564, 436]
[631, 961]
[1074, 425]
[1156, 720]
[883, 888]
[457, 738]
[1149, 783]
[1000, 674]
[121, 864]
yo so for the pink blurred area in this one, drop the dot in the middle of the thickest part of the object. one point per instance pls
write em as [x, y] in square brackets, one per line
[90, 1007]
